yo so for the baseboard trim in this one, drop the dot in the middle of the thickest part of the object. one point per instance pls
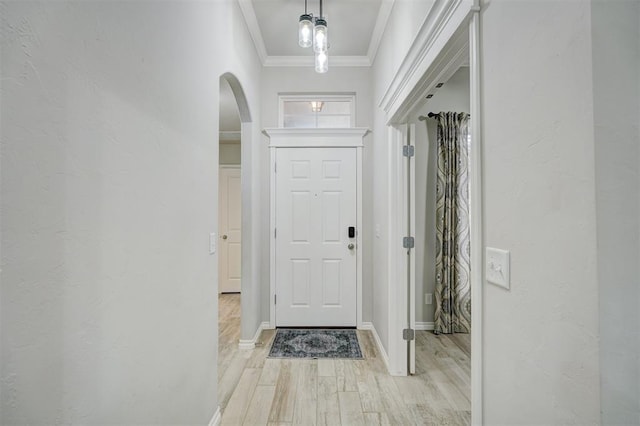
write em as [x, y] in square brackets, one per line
[365, 325]
[425, 326]
[251, 343]
[217, 416]
[383, 353]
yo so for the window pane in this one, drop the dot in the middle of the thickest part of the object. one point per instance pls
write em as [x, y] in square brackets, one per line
[334, 121]
[328, 112]
[300, 121]
[336, 107]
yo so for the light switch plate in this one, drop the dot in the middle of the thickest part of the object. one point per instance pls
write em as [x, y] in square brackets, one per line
[213, 243]
[497, 268]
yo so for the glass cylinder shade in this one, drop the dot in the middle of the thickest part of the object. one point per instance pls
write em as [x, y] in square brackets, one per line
[322, 62]
[320, 36]
[305, 31]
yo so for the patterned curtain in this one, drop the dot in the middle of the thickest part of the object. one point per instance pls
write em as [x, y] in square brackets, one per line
[453, 293]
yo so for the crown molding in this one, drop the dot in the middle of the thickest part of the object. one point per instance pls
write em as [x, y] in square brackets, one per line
[378, 30]
[305, 61]
[254, 28]
[246, 6]
[441, 22]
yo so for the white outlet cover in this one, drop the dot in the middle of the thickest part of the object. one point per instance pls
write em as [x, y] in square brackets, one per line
[497, 267]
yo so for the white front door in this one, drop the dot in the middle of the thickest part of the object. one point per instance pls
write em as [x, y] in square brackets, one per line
[230, 218]
[315, 255]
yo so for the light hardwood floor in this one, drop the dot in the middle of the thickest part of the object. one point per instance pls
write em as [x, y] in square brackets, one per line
[255, 390]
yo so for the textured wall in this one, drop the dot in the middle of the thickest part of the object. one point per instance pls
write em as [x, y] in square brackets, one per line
[616, 80]
[109, 177]
[540, 338]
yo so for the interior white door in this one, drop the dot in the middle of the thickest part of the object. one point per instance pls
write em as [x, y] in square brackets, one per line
[315, 255]
[230, 219]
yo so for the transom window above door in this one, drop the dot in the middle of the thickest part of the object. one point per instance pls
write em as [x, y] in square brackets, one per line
[320, 111]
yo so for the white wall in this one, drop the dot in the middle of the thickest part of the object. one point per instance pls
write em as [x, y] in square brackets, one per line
[407, 16]
[277, 80]
[616, 84]
[541, 337]
[109, 192]
[230, 153]
[453, 96]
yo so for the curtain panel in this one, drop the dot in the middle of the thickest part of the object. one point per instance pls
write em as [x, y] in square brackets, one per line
[453, 292]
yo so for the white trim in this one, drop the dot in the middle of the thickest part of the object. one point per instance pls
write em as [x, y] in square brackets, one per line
[309, 61]
[272, 240]
[291, 137]
[443, 19]
[383, 353]
[266, 325]
[476, 223]
[397, 294]
[229, 135]
[381, 25]
[365, 325]
[229, 166]
[410, 177]
[424, 326]
[251, 343]
[250, 18]
[442, 28]
[454, 55]
[217, 417]
[359, 232]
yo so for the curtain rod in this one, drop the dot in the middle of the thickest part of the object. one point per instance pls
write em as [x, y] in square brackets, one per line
[430, 115]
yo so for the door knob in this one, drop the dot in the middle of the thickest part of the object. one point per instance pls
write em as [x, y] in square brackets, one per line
[224, 237]
[351, 246]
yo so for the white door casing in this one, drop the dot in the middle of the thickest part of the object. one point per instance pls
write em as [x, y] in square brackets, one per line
[319, 138]
[315, 257]
[230, 238]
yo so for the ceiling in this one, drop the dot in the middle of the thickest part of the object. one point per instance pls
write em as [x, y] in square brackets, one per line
[355, 29]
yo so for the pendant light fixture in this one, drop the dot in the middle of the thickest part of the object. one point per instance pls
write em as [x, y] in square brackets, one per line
[313, 32]
[305, 28]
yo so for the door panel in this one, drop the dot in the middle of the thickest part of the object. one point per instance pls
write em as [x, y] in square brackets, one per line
[230, 218]
[315, 268]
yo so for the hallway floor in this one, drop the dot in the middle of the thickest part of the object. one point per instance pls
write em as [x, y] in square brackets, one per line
[254, 390]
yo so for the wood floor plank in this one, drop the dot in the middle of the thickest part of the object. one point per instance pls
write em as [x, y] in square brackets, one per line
[270, 372]
[257, 411]
[256, 390]
[306, 398]
[328, 408]
[376, 419]
[286, 387]
[350, 409]
[346, 376]
[326, 367]
[236, 409]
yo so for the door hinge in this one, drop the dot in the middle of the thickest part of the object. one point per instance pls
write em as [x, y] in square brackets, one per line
[408, 334]
[275, 167]
[408, 150]
[275, 299]
[408, 242]
[275, 232]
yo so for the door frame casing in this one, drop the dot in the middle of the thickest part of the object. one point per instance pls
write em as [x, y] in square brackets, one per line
[445, 21]
[315, 138]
